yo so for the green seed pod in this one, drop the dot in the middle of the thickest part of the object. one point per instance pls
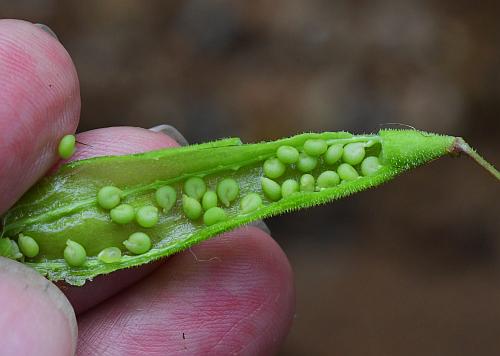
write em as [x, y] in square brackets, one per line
[354, 153]
[347, 172]
[289, 187]
[28, 246]
[147, 216]
[195, 187]
[166, 197]
[333, 154]
[214, 215]
[271, 189]
[315, 147]
[138, 243]
[74, 254]
[327, 179]
[227, 191]
[287, 154]
[122, 214]
[209, 200]
[370, 166]
[306, 163]
[307, 183]
[274, 168]
[66, 146]
[110, 255]
[191, 207]
[250, 202]
[108, 197]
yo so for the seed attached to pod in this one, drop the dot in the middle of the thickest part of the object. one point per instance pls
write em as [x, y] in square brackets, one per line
[354, 153]
[108, 197]
[214, 215]
[66, 146]
[307, 183]
[287, 154]
[289, 187]
[250, 202]
[28, 246]
[209, 200]
[333, 154]
[370, 166]
[315, 147]
[166, 197]
[191, 207]
[271, 189]
[122, 214]
[195, 187]
[347, 172]
[306, 163]
[327, 179]
[147, 216]
[227, 191]
[138, 243]
[74, 254]
[274, 168]
[110, 255]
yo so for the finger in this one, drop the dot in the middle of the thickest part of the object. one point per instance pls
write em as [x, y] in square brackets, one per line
[235, 295]
[35, 317]
[39, 103]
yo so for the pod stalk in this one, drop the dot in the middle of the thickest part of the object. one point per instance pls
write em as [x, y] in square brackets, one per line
[461, 147]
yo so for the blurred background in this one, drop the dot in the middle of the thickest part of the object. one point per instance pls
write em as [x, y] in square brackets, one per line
[411, 268]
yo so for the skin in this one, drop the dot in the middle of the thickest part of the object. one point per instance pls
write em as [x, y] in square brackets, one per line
[250, 278]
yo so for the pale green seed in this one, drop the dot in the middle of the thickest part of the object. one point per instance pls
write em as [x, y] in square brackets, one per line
[274, 168]
[333, 154]
[315, 147]
[354, 153]
[110, 255]
[209, 200]
[122, 214]
[347, 172]
[227, 191]
[287, 154]
[191, 207]
[250, 202]
[289, 187]
[74, 254]
[147, 216]
[66, 146]
[195, 187]
[15, 253]
[28, 246]
[370, 166]
[108, 197]
[306, 163]
[138, 243]
[166, 197]
[271, 189]
[214, 215]
[327, 179]
[307, 183]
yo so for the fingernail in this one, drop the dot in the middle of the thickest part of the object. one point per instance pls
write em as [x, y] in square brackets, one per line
[261, 225]
[172, 132]
[47, 29]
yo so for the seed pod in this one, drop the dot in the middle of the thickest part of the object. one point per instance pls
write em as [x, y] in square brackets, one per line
[166, 197]
[122, 214]
[315, 147]
[306, 163]
[327, 179]
[274, 168]
[108, 197]
[138, 243]
[28, 246]
[287, 154]
[289, 187]
[66, 146]
[354, 153]
[333, 154]
[307, 183]
[191, 207]
[250, 203]
[147, 216]
[110, 255]
[347, 172]
[195, 187]
[209, 200]
[214, 215]
[271, 189]
[74, 254]
[227, 191]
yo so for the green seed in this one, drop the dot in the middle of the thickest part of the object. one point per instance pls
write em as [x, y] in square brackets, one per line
[191, 207]
[214, 215]
[327, 179]
[289, 187]
[274, 168]
[228, 191]
[209, 200]
[271, 189]
[307, 183]
[250, 202]
[370, 166]
[138, 243]
[306, 163]
[5, 247]
[315, 147]
[147, 216]
[347, 172]
[110, 255]
[166, 197]
[354, 153]
[333, 154]
[67, 146]
[195, 187]
[122, 214]
[74, 254]
[287, 154]
[108, 197]
[15, 253]
[28, 246]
